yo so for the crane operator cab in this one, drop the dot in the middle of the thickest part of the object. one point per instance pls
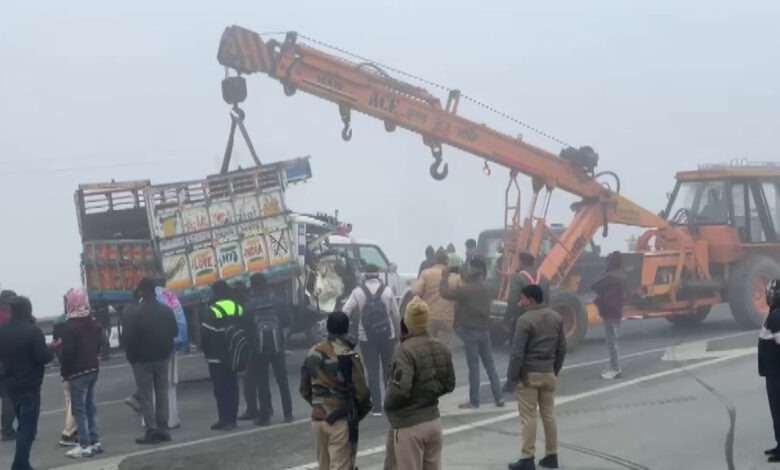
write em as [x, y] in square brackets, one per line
[735, 209]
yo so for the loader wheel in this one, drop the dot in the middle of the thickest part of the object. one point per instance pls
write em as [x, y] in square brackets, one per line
[691, 319]
[573, 313]
[747, 287]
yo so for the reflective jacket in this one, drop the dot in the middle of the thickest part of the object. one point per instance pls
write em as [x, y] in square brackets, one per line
[212, 330]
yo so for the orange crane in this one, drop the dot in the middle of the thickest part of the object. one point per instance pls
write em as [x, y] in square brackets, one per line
[671, 277]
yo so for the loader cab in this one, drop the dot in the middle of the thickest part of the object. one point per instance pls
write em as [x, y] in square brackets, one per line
[745, 198]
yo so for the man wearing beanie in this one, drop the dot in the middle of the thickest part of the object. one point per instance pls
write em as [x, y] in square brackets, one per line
[442, 311]
[332, 382]
[421, 372]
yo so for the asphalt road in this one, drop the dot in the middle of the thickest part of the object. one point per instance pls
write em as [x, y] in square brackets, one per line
[656, 416]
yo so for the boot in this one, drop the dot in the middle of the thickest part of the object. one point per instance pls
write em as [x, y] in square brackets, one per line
[523, 464]
[549, 461]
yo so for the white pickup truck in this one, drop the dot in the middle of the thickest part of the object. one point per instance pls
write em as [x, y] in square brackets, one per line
[333, 266]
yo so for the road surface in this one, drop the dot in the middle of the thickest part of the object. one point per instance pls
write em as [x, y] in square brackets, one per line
[660, 415]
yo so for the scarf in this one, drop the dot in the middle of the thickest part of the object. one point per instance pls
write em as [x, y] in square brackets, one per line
[76, 303]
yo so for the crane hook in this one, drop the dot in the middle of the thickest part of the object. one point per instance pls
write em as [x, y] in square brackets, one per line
[346, 133]
[346, 118]
[439, 173]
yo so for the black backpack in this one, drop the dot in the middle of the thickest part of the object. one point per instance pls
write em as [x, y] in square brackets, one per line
[238, 347]
[374, 316]
[269, 328]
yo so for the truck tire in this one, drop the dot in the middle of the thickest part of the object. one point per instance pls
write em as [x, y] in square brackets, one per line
[573, 313]
[691, 319]
[747, 287]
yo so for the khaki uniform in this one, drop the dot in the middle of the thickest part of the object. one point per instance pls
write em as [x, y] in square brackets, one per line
[540, 392]
[334, 452]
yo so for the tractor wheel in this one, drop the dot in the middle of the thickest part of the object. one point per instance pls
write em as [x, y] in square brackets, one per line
[747, 290]
[573, 313]
[691, 319]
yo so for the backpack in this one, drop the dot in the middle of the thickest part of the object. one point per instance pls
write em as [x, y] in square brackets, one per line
[269, 329]
[374, 316]
[238, 347]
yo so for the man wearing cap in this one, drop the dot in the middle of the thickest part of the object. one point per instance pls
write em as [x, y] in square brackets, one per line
[421, 372]
[7, 432]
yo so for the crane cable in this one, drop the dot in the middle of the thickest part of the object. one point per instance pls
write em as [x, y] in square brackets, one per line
[470, 99]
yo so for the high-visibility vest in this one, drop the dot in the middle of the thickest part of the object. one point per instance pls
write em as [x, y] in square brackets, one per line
[230, 308]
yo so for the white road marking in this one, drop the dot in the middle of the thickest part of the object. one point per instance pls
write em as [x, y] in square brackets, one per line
[694, 350]
[560, 401]
[112, 463]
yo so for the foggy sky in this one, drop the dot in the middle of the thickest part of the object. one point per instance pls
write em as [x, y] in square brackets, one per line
[94, 90]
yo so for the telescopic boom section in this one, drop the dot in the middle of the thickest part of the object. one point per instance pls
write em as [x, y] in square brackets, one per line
[366, 88]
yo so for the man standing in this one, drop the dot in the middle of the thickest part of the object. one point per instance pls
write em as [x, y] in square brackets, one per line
[23, 355]
[769, 361]
[538, 350]
[267, 318]
[7, 417]
[374, 320]
[442, 311]
[149, 334]
[223, 313]
[332, 382]
[453, 260]
[421, 372]
[80, 346]
[471, 250]
[430, 260]
[610, 295]
[472, 325]
[525, 276]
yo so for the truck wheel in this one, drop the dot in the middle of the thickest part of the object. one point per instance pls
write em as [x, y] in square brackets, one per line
[573, 313]
[747, 290]
[691, 319]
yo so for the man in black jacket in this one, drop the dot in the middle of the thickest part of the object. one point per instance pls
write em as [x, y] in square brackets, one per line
[24, 354]
[769, 361]
[149, 334]
[266, 317]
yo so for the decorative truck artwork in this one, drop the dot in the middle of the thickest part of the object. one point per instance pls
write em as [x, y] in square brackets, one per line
[191, 233]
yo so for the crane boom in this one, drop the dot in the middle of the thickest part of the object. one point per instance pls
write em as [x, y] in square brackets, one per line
[366, 88]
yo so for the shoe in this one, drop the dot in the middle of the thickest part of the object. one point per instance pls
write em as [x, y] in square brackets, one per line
[499, 403]
[79, 452]
[523, 464]
[773, 458]
[468, 406]
[247, 416]
[8, 437]
[549, 461]
[771, 451]
[611, 374]
[162, 436]
[377, 413]
[69, 441]
[289, 419]
[148, 439]
[262, 421]
[96, 448]
[223, 427]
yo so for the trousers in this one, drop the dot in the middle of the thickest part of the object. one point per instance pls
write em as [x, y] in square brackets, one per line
[7, 415]
[28, 410]
[417, 447]
[82, 396]
[538, 393]
[151, 380]
[611, 334]
[70, 423]
[476, 342]
[225, 383]
[334, 451]
[773, 395]
[377, 357]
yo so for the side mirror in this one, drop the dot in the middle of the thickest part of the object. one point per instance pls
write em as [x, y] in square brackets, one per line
[393, 268]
